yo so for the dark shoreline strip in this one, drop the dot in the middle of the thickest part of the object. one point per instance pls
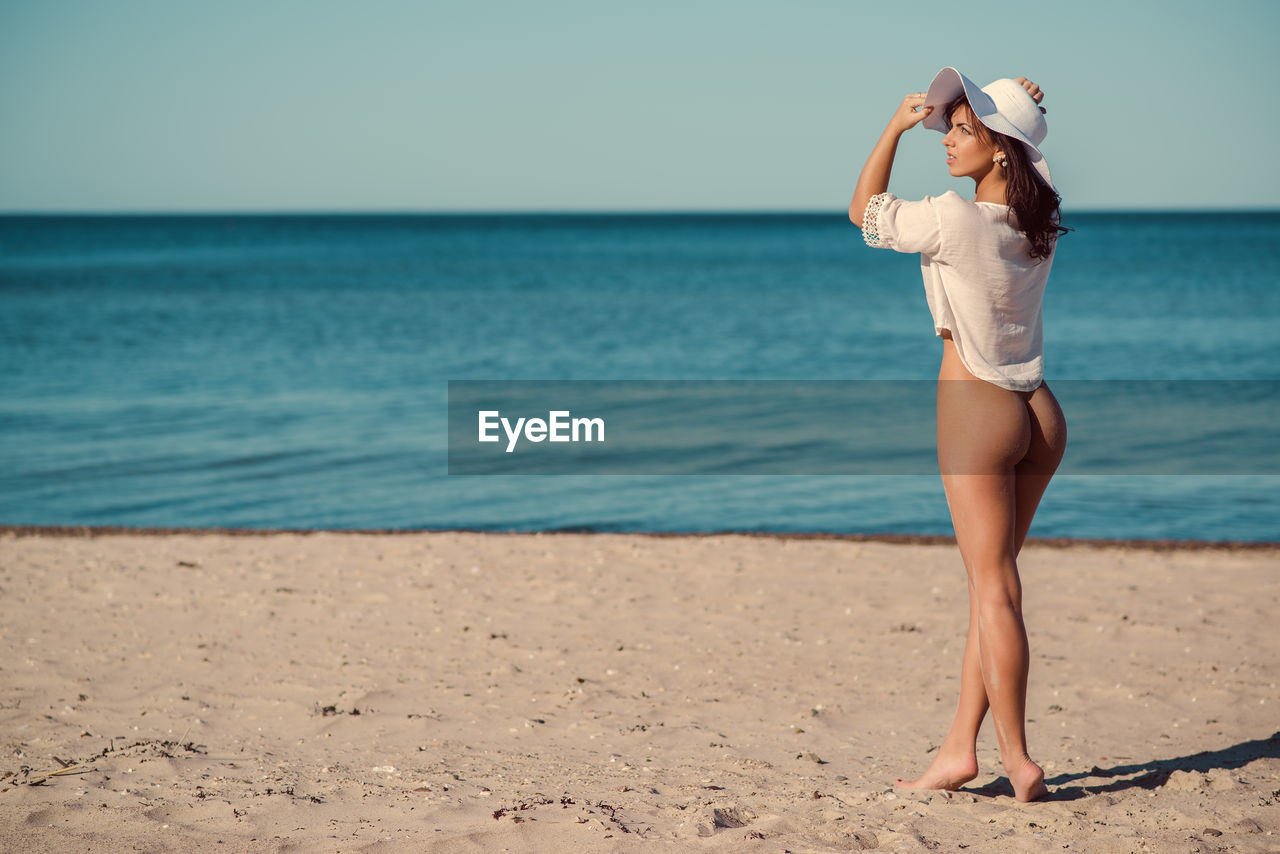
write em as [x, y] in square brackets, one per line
[898, 539]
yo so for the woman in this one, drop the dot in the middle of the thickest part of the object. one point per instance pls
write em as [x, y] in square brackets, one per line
[1001, 433]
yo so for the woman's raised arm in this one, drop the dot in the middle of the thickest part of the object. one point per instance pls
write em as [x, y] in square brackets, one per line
[874, 177]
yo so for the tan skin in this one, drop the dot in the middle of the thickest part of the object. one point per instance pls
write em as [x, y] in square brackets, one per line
[997, 450]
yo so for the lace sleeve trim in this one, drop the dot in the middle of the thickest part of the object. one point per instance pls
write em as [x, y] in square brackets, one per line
[871, 220]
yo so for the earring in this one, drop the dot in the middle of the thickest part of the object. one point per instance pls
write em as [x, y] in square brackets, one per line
[1002, 160]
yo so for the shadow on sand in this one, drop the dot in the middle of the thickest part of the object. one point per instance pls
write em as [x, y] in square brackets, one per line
[1145, 775]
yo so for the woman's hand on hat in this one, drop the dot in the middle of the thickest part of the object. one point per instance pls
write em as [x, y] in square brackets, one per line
[910, 112]
[1032, 89]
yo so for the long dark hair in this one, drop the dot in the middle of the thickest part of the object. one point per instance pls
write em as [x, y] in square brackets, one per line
[1033, 204]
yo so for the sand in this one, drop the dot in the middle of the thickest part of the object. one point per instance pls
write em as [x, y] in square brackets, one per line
[455, 692]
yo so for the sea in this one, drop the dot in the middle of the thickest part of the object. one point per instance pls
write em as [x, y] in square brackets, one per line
[294, 371]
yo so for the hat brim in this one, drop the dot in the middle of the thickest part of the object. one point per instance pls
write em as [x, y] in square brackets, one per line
[949, 84]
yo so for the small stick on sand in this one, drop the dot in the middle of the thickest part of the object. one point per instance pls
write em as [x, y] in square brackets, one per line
[40, 778]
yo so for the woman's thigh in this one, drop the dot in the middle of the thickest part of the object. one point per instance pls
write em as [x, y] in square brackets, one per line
[983, 432]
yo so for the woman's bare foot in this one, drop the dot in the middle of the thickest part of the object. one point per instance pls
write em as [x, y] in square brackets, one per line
[1028, 781]
[948, 772]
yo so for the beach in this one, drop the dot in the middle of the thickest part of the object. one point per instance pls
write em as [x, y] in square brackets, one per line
[455, 692]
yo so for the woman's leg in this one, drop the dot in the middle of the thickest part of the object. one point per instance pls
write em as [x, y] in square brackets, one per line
[984, 518]
[1044, 453]
[997, 451]
[1031, 478]
[957, 760]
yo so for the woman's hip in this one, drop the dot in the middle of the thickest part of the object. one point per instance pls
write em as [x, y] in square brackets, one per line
[986, 429]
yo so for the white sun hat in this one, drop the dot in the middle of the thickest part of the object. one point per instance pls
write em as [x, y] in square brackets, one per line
[1003, 106]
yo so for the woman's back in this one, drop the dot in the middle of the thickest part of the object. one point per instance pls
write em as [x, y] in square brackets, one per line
[982, 285]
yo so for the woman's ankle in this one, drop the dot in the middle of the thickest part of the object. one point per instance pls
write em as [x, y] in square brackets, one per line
[962, 746]
[1017, 764]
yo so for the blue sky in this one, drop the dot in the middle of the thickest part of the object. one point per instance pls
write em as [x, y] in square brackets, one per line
[290, 105]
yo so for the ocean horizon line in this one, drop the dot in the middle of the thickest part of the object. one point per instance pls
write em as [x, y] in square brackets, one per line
[567, 213]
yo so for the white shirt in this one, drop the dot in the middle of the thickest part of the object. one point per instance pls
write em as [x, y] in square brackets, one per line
[979, 278]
